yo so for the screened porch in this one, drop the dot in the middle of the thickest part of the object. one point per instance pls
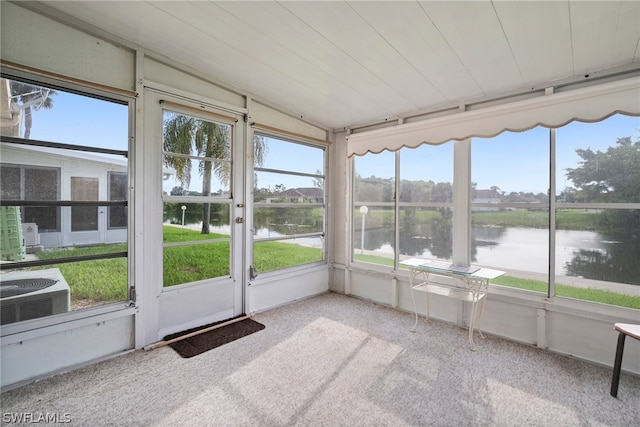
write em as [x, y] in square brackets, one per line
[167, 165]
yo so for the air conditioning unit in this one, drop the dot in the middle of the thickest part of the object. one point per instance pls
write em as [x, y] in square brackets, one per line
[30, 234]
[33, 294]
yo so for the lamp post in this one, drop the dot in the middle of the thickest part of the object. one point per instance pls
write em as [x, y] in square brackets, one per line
[363, 210]
[184, 208]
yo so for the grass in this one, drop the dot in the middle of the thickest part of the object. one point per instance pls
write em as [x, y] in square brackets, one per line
[100, 281]
[185, 264]
[585, 294]
[566, 219]
[104, 281]
[270, 256]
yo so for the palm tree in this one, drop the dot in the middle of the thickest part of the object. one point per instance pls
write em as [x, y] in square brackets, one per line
[30, 96]
[188, 135]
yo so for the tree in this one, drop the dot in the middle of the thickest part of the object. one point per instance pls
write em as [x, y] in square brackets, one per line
[195, 137]
[611, 176]
[318, 182]
[30, 97]
[608, 176]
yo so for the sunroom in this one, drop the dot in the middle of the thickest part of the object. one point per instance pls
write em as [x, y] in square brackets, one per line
[166, 165]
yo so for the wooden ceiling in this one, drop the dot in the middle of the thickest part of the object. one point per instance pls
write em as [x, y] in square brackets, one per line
[341, 64]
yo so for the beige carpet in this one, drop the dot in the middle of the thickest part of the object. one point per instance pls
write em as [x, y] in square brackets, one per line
[338, 361]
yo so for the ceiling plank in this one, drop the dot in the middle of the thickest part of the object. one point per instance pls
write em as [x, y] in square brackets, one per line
[539, 35]
[344, 64]
[407, 28]
[473, 31]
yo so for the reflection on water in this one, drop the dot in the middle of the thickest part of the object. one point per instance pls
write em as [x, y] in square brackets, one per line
[314, 242]
[525, 249]
[585, 254]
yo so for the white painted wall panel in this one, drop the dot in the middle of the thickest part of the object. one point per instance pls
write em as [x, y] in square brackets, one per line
[155, 71]
[277, 290]
[339, 213]
[264, 115]
[372, 287]
[590, 339]
[35, 41]
[32, 358]
[182, 304]
[510, 320]
[579, 331]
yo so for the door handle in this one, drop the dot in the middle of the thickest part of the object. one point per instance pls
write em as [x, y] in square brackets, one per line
[239, 220]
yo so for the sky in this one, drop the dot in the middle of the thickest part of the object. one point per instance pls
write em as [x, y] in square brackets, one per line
[511, 161]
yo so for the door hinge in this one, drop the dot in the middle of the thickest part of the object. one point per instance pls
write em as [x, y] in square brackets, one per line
[132, 296]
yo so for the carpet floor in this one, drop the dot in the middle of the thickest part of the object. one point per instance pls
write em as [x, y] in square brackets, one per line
[334, 360]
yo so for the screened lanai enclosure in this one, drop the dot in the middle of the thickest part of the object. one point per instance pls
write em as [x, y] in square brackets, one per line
[167, 165]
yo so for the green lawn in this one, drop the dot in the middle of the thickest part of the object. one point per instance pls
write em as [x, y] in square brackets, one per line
[585, 294]
[102, 281]
[566, 219]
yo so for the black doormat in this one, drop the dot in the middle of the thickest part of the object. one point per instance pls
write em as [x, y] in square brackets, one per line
[205, 341]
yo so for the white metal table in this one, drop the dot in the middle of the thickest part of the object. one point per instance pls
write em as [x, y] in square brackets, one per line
[471, 284]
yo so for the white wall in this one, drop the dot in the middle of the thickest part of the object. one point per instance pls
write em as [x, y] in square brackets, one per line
[54, 349]
[575, 328]
[279, 288]
[33, 40]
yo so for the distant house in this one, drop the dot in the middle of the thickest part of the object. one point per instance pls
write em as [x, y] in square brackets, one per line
[298, 195]
[486, 196]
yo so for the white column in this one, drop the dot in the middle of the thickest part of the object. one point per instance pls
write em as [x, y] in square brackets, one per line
[462, 202]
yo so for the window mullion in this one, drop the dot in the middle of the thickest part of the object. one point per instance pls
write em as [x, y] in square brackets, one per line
[551, 291]
[396, 207]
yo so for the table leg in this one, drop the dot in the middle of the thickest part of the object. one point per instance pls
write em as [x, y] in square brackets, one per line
[426, 297]
[413, 298]
[484, 291]
[472, 322]
[617, 365]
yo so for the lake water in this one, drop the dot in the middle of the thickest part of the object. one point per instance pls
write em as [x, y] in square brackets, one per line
[578, 253]
[585, 254]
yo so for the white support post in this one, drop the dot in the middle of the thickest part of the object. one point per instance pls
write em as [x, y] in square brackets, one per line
[462, 202]
[394, 292]
[541, 328]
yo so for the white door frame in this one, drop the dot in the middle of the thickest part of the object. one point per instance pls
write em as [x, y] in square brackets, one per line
[168, 310]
